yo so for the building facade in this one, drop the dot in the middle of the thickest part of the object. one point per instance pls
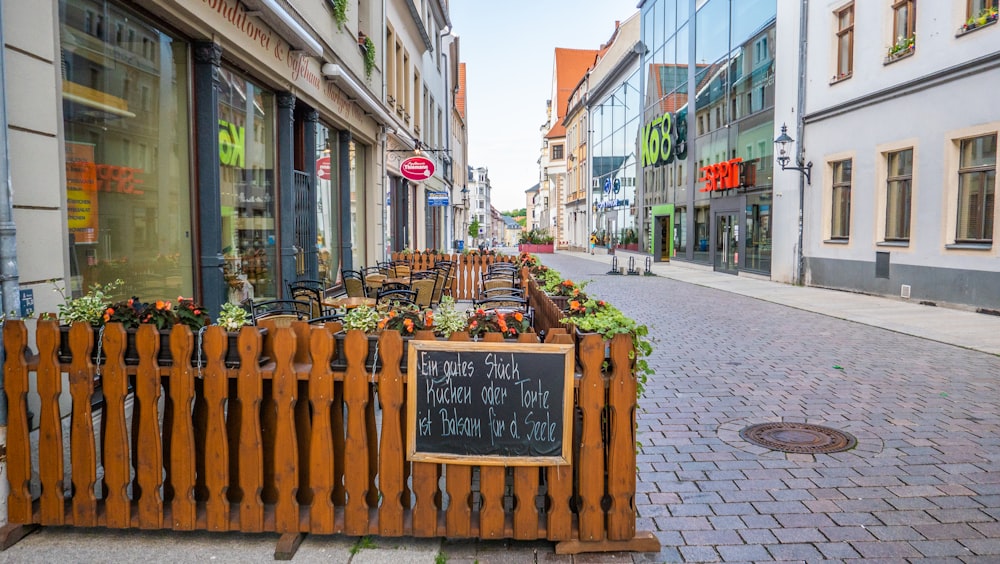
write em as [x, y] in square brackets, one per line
[705, 142]
[902, 198]
[215, 148]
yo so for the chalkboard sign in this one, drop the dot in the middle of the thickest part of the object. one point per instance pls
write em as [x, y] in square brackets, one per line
[505, 404]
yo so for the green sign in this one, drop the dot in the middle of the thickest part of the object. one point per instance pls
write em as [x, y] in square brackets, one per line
[663, 139]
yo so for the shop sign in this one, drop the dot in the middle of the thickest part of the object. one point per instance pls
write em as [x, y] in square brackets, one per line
[81, 192]
[323, 168]
[417, 169]
[609, 204]
[437, 199]
[721, 176]
[231, 148]
[662, 140]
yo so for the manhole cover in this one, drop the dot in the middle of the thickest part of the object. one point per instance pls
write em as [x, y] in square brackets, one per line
[801, 438]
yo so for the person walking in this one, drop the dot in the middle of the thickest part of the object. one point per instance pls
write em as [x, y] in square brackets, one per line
[593, 242]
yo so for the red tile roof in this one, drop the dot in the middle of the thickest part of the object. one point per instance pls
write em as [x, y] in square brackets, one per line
[571, 65]
[460, 95]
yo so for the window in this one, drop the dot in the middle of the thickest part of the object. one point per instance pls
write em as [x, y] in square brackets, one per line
[840, 224]
[977, 178]
[557, 152]
[977, 8]
[845, 41]
[898, 195]
[904, 19]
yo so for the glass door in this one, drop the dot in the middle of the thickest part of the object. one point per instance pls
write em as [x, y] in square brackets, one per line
[727, 237]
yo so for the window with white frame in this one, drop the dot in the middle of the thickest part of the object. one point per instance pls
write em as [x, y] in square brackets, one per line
[840, 222]
[845, 41]
[977, 178]
[899, 194]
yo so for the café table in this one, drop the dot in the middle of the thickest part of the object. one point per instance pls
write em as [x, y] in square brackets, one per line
[344, 302]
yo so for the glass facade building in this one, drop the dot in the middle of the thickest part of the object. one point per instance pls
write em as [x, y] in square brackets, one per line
[705, 141]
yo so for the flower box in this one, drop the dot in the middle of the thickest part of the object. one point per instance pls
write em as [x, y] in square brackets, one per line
[536, 248]
[164, 357]
[373, 359]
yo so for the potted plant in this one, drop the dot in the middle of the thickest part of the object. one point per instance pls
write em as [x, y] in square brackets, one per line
[596, 316]
[510, 324]
[902, 46]
[89, 308]
[232, 318]
[448, 319]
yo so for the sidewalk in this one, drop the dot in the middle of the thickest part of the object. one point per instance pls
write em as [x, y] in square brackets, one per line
[966, 329]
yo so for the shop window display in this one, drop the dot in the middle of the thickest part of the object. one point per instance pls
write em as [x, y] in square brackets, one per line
[127, 174]
[246, 161]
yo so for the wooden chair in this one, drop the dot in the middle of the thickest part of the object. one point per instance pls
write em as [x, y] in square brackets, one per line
[424, 288]
[354, 283]
[443, 281]
[329, 318]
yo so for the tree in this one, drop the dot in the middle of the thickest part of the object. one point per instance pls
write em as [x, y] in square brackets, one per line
[474, 228]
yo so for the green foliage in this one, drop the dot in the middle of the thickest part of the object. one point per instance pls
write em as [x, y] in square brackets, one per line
[536, 237]
[610, 321]
[363, 542]
[191, 313]
[362, 318]
[369, 47]
[474, 228]
[339, 12]
[440, 558]
[232, 317]
[449, 320]
[90, 307]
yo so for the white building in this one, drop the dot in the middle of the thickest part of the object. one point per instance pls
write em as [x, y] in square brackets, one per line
[901, 130]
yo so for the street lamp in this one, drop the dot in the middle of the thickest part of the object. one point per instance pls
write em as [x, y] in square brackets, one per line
[783, 141]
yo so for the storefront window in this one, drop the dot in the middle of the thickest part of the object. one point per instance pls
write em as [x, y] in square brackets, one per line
[701, 224]
[246, 161]
[758, 241]
[125, 121]
[358, 154]
[327, 205]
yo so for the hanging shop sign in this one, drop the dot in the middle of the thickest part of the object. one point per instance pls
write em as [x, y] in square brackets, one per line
[323, 168]
[721, 176]
[417, 169]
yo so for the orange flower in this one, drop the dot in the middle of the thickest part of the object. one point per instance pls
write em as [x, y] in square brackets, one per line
[519, 316]
[572, 305]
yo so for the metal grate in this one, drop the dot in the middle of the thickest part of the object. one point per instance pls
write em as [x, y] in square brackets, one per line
[801, 438]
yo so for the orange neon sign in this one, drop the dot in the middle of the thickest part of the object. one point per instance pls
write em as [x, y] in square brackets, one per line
[721, 176]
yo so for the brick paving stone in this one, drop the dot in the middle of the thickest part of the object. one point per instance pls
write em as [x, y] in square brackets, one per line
[758, 536]
[798, 534]
[700, 497]
[715, 537]
[759, 521]
[798, 552]
[958, 515]
[733, 497]
[895, 533]
[936, 548]
[743, 553]
[720, 522]
[856, 533]
[948, 531]
[983, 547]
[691, 510]
[815, 520]
[837, 550]
[682, 523]
[885, 549]
[733, 509]
[699, 554]
[912, 503]
[915, 491]
[780, 507]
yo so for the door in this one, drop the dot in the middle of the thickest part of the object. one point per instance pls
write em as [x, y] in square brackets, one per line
[665, 228]
[727, 240]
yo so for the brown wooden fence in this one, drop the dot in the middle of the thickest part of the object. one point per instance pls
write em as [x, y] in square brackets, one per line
[293, 446]
[466, 269]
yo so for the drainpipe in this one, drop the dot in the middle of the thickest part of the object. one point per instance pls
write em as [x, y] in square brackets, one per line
[9, 290]
[799, 130]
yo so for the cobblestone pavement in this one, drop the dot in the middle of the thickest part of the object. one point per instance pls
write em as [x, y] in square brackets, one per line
[923, 483]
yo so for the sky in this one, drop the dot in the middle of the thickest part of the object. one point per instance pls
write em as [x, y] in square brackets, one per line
[508, 48]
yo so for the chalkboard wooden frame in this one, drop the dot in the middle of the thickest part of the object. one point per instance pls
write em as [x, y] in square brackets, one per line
[566, 401]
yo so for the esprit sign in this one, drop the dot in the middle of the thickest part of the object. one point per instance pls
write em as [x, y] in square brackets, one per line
[721, 176]
[417, 169]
